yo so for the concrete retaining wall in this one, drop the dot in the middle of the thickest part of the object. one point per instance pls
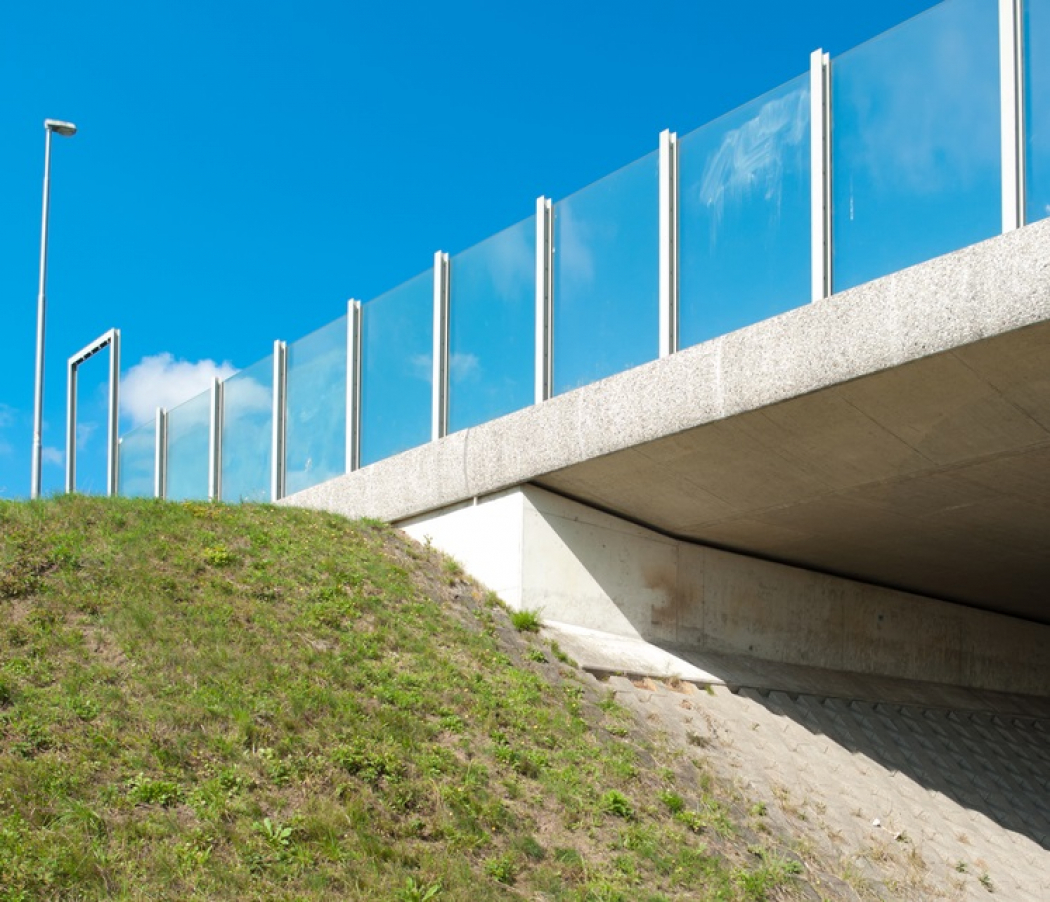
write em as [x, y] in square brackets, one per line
[577, 565]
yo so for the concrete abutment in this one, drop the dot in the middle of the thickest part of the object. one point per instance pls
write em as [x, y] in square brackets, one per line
[581, 566]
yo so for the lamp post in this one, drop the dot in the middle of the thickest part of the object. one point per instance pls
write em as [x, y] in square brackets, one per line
[65, 129]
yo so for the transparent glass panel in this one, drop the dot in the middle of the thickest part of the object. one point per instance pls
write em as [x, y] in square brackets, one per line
[1037, 103]
[915, 142]
[247, 433]
[606, 276]
[492, 316]
[315, 431]
[397, 350]
[744, 215]
[137, 457]
[188, 426]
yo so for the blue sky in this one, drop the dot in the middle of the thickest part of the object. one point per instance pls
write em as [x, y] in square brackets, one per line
[242, 169]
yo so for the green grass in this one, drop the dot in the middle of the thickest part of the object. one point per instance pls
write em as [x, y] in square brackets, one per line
[526, 621]
[210, 702]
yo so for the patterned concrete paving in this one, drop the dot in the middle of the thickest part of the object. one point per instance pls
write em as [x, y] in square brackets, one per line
[882, 800]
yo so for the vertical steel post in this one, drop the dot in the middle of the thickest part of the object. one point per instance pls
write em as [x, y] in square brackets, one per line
[160, 455]
[439, 379]
[280, 388]
[71, 426]
[215, 441]
[544, 298]
[668, 243]
[113, 421]
[1012, 105]
[820, 174]
[353, 385]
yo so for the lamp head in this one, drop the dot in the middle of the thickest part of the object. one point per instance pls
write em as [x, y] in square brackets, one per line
[60, 128]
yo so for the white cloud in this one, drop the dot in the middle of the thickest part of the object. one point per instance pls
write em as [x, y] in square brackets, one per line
[577, 258]
[511, 262]
[163, 381]
[421, 366]
[751, 158]
[53, 456]
[246, 398]
[84, 433]
[463, 367]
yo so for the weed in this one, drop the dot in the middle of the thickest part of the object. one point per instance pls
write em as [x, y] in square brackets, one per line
[419, 892]
[145, 791]
[278, 835]
[452, 569]
[615, 802]
[219, 556]
[502, 868]
[672, 801]
[526, 621]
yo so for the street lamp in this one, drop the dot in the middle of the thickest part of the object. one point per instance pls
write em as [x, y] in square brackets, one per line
[65, 129]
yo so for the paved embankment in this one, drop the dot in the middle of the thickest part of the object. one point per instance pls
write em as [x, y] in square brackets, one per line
[936, 793]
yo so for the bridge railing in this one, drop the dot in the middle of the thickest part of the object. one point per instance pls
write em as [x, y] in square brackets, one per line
[923, 140]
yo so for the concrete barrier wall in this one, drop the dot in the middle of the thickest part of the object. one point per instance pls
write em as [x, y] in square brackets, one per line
[577, 565]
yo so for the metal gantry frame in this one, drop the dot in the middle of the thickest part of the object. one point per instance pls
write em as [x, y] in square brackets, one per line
[111, 340]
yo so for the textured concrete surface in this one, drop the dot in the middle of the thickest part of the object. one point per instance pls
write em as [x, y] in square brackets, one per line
[891, 789]
[577, 565]
[897, 433]
[916, 801]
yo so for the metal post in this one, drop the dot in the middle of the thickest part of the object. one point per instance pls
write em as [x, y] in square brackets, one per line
[439, 380]
[820, 174]
[544, 297]
[215, 442]
[353, 385]
[280, 387]
[1012, 105]
[71, 427]
[113, 420]
[668, 243]
[160, 455]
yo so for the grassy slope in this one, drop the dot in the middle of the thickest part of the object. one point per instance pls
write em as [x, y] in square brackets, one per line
[202, 701]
